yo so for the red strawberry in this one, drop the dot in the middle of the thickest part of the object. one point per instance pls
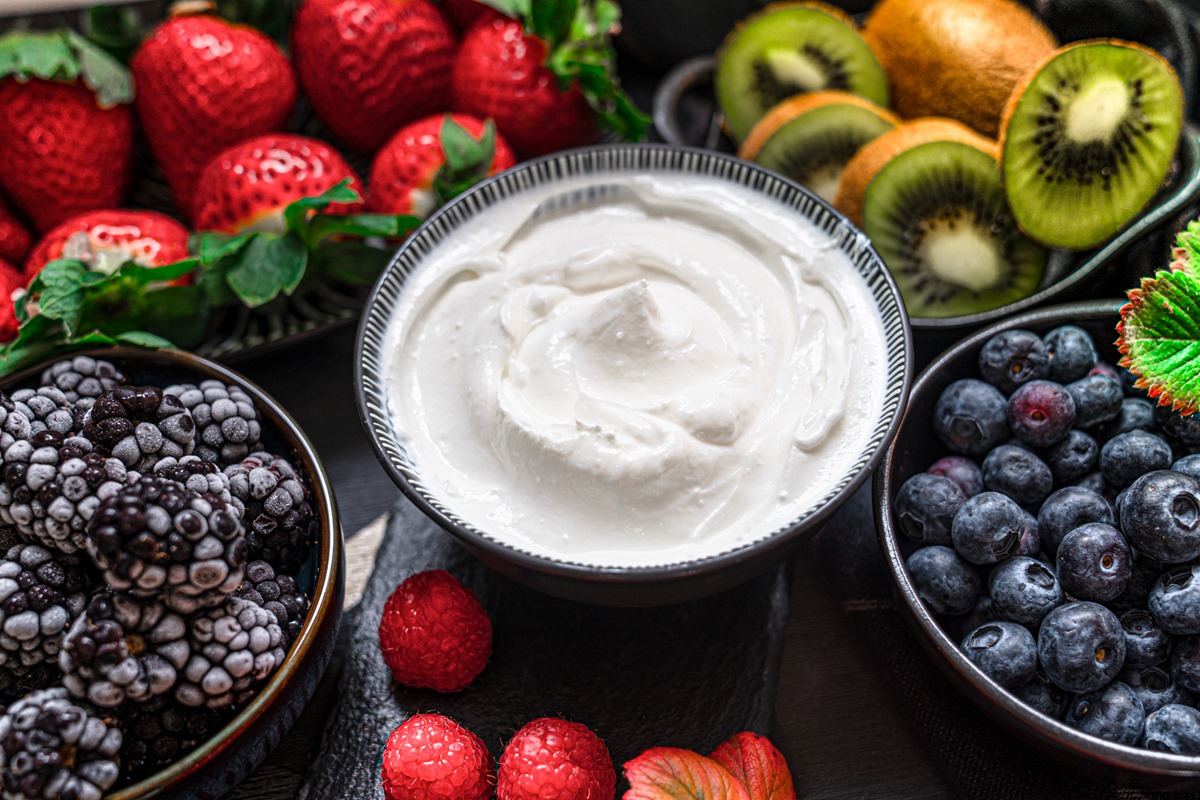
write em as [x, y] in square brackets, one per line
[553, 759]
[10, 281]
[415, 171]
[66, 129]
[104, 240]
[434, 634]
[15, 241]
[204, 84]
[370, 66]
[432, 757]
[466, 14]
[247, 186]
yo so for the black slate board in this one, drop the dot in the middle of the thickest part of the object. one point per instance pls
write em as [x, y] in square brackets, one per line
[687, 675]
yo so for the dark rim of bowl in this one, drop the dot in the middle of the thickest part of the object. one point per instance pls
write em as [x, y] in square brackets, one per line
[600, 160]
[329, 553]
[1049, 730]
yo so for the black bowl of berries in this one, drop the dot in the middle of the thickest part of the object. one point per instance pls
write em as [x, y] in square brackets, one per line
[1040, 514]
[170, 576]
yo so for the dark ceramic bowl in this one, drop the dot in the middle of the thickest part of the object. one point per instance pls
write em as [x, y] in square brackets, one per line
[237, 749]
[609, 585]
[914, 448]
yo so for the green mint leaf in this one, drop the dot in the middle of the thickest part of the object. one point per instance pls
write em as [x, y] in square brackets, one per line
[267, 266]
[387, 226]
[296, 215]
[517, 9]
[1159, 338]
[103, 74]
[117, 29]
[143, 339]
[551, 19]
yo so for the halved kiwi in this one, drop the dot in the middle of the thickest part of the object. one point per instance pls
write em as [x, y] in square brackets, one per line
[787, 49]
[811, 137]
[936, 213]
[1087, 139]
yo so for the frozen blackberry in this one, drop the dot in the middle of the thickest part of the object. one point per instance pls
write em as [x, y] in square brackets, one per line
[122, 648]
[54, 749]
[227, 425]
[82, 377]
[50, 487]
[47, 408]
[235, 647]
[278, 594]
[157, 538]
[281, 525]
[41, 591]
[159, 732]
[14, 424]
[203, 477]
[140, 425]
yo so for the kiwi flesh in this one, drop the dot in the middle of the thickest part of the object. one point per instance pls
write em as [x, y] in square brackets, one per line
[937, 215]
[811, 137]
[1088, 139]
[787, 49]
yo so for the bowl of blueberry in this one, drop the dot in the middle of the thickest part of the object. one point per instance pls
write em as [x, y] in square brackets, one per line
[1040, 516]
[170, 576]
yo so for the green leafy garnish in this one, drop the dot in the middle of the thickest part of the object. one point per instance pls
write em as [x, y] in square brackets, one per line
[65, 55]
[468, 160]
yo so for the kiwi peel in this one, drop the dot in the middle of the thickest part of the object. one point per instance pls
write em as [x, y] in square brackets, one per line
[787, 49]
[1088, 139]
[811, 137]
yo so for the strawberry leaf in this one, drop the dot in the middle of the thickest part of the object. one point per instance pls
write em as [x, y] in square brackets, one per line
[552, 19]
[143, 339]
[103, 74]
[116, 29]
[267, 266]
[670, 773]
[761, 768]
[1187, 247]
[468, 160]
[297, 213]
[517, 9]
[388, 226]
[1159, 338]
[352, 262]
[64, 56]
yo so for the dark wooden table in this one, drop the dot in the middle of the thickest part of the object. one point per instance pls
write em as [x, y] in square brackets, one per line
[836, 719]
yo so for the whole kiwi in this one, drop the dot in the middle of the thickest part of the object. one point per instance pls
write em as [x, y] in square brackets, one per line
[955, 58]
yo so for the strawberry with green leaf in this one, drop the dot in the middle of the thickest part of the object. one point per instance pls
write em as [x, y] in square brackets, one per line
[248, 186]
[15, 239]
[547, 76]
[434, 160]
[66, 125]
[105, 240]
[1159, 331]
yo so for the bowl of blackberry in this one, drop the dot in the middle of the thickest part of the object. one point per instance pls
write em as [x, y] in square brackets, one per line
[170, 576]
[1040, 516]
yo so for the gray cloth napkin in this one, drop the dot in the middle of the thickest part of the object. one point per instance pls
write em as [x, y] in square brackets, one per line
[687, 675]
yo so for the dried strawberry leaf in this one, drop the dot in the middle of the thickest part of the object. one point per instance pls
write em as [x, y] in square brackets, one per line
[1159, 338]
[671, 773]
[760, 767]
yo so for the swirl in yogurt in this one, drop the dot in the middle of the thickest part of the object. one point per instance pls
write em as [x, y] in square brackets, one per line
[664, 374]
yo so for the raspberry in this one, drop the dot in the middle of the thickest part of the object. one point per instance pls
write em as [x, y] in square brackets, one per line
[434, 633]
[553, 759]
[431, 757]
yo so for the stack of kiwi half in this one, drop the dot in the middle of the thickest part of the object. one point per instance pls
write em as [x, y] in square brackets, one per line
[955, 133]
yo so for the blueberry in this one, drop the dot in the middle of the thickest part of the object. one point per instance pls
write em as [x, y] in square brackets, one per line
[1072, 353]
[1018, 473]
[1127, 456]
[1175, 601]
[1137, 594]
[988, 528]
[1160, 516]
[1066, 510]
[962, 471]
[1137, 414]
[1023, 590]
[1189, 465]
[981, 612]
[1042, 695]
[1173, 728]
[1094, 562]
[1073, 457]
[947, 583]
[1011, 358]
[1146, 644]
[1005, 651]
[1081, 646]
[1185, 429]
[1185, 662]
[1098, 399]
[1155, 688]
[1041, 412]
[1106, 369]
[1093, 481]
[1031, 540]
[925, 507]
[1113, 712]
[971, 417]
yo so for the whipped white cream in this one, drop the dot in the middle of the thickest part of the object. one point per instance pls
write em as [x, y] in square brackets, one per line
[663, 375]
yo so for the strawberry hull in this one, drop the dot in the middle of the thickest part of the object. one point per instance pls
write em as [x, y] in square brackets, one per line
[62, 153]
[370, 66]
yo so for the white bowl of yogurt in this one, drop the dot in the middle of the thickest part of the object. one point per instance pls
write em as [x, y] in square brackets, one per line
[633, 374]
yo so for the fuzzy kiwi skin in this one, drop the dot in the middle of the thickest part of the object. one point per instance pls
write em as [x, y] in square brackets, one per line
[955, 58]
[798, 106]
[878, 152]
